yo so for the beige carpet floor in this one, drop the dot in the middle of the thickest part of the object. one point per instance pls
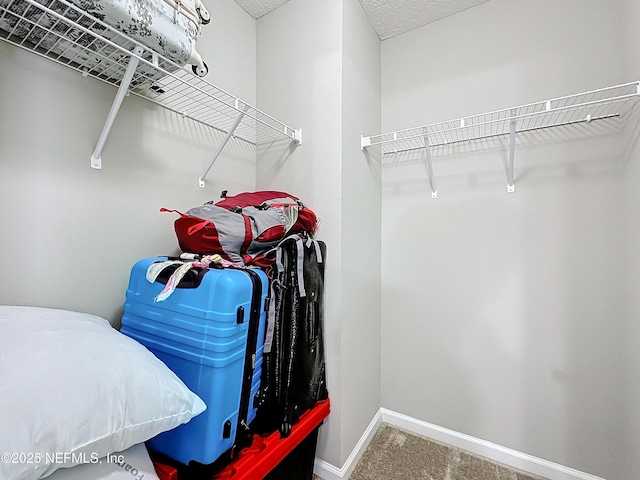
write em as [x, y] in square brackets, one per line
[395, 454]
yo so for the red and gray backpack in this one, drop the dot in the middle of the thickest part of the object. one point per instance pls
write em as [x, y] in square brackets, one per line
[243, 228]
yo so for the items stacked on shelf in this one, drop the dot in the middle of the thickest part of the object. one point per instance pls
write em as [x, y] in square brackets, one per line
[62, 32]
[605, 103]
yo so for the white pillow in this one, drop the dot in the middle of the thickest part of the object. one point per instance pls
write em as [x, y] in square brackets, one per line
[73, 389]
[132, 464]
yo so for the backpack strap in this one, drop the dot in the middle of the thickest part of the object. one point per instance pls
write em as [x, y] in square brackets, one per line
[271, 312]
[300, 261]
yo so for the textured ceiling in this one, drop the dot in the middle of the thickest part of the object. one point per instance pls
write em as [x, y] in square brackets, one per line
[388, 17]
[393, 17]
[258, 8]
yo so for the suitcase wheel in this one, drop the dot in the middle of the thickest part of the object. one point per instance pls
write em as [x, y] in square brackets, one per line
[200, 71]
[285, 429]
[204, 15]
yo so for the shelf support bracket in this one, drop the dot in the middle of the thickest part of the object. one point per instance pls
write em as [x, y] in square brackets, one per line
[512, 150]
[297, 136]
[427, 149]
[96, 157]
[226, 139]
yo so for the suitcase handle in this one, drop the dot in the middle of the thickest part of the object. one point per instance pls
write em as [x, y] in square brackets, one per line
[192, 279]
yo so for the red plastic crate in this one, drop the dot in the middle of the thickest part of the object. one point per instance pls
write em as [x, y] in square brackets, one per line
[165, 472]
[265, 453]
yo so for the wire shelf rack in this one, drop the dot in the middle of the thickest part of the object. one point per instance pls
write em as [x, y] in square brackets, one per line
[601, 104]
[61, 31]
[583, 107]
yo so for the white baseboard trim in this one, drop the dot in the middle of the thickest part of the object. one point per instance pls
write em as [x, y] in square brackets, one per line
[497, 453]
[327, 471]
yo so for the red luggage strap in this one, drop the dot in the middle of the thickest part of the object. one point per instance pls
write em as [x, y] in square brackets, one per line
[193, 228]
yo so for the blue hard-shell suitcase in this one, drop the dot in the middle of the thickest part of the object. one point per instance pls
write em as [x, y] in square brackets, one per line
[211, 334]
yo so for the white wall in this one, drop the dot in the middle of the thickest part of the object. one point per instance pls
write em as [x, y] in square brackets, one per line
[503, 313]
[630, 14]
[299, 79]
[72, 232]
[361, 227]
[312, 57]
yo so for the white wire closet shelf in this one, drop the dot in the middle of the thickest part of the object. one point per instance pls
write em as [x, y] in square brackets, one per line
[62, 32]
[601, 104]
